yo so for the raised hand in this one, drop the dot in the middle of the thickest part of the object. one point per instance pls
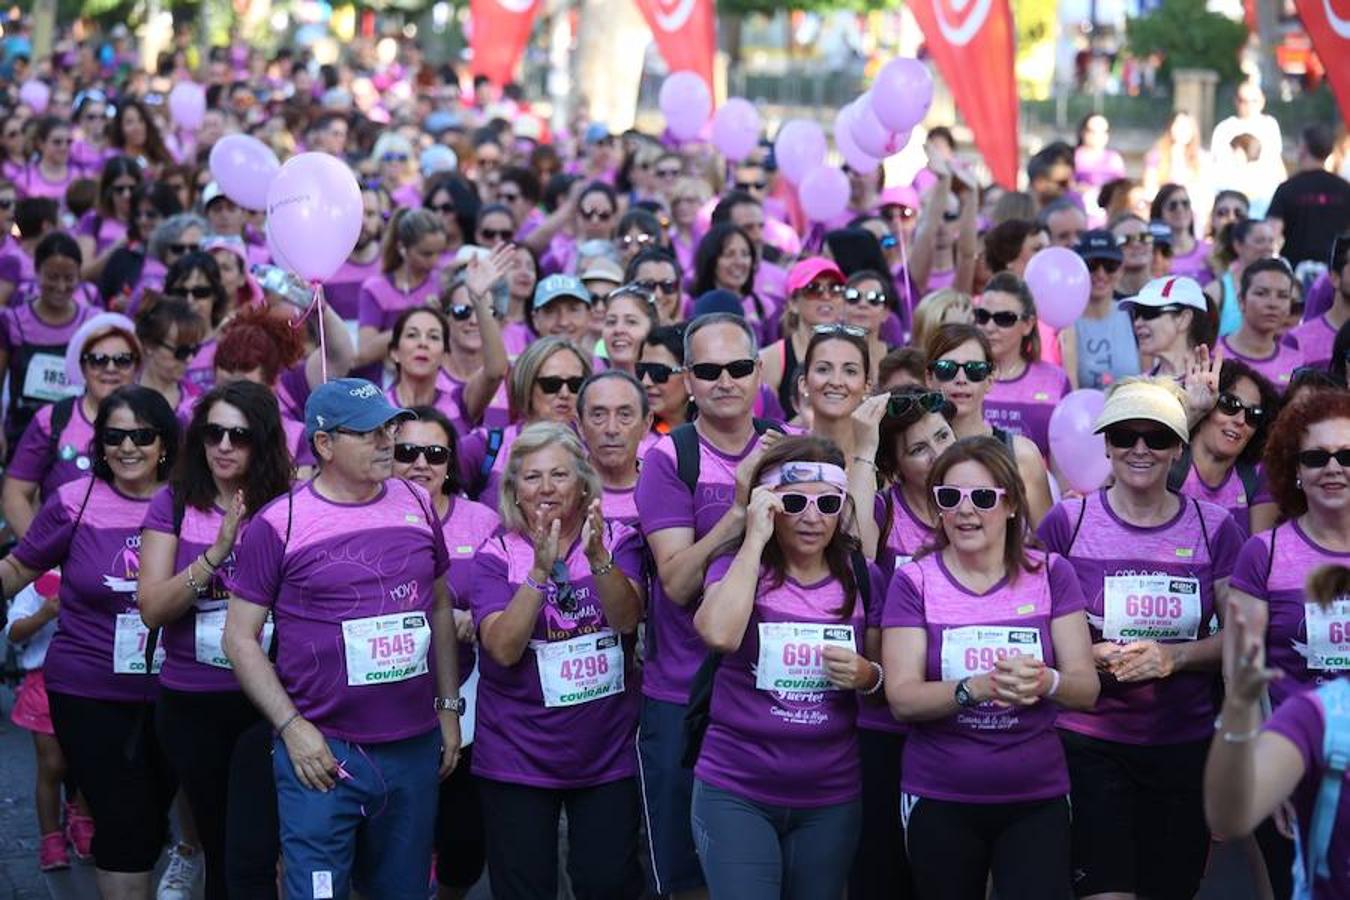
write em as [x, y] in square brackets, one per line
[764, 504]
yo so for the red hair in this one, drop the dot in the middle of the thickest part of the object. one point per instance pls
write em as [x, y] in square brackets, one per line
[1286, 434]
[257, 338]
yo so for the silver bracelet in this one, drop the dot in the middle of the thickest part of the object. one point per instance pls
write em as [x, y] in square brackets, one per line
[865, 461]
[193, 585]
[881, 678]
[1230, 738]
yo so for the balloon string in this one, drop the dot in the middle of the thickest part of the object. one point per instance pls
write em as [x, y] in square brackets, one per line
[316, 308]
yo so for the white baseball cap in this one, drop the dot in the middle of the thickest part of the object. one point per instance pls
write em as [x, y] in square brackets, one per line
[1170, 290]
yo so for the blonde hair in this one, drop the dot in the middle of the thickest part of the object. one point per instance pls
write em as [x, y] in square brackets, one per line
[531, 440]
[688, 186]
[940, 308]
[526, 368]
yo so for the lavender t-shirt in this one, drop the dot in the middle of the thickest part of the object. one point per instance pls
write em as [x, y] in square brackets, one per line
[1200, 542]
[907, 534]
[986, 753]
[674, 649]
[379, 304]
[1230, 493]
[518, 738]
[100, 564]
[465, 528]
[1023, 405]
[317, 564]
[1278, 367]
[33, 460]
[794, 748]
[343, 290]
[1307, 661]
[1314, 339]
[472, 456]
[620, 505]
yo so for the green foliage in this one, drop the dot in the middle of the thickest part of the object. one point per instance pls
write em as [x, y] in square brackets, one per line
[1189, 37]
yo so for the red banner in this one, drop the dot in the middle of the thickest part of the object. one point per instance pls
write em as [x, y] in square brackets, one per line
[500, 30]
[971, 41]
[685, 32]
[1328, 24]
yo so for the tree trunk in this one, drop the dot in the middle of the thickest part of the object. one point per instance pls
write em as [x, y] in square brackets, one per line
[612, 40]
[1268, 31]
[44, 29]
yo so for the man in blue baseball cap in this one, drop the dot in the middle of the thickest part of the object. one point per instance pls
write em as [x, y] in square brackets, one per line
[562, 308]
[352, 567]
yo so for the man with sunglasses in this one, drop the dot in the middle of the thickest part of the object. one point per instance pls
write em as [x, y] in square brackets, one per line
[689, 508]
[352, 565]
[1100, 347]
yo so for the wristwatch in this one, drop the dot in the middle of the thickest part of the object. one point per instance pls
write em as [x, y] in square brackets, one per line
[963, 695]
[456, 705]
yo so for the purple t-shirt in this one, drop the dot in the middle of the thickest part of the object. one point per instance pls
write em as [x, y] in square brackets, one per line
[378, 305]
[986, 753]
[327, 570]
[1303, 722]
[447, 402]
[201, 371]
[344, 288]
[518, 738]
[38, 376]
[184, 668]
[907, 534]
[796, 747]
[1277, 367]
[1179, 561]
[1023, 405]
[516, 336]
[33, 460]
[473, 452]
[465, 529]
[1307, 660]
[1195, 264]
[1230, 493]
[674, 649]
[620, 505]
[1315, 340]
[16, 266]
[33, 183]
[105, 230]
[100, 563]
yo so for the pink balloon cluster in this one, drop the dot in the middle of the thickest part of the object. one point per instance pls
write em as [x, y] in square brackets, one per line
[314, 215]
[686, 103]
[36, 94]
[878, 124]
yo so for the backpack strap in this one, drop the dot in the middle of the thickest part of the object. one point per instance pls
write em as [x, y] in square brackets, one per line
[1180, 471]
[1251, 480]
[62, 412]
[766, 425]
[1082, 512]
[1270, 557]
[495, 437]
[1335, 699]
[862, 578]
[687, 462]
[698, 714]
[1204, 529]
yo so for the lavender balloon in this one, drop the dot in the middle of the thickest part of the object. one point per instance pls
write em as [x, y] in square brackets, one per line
[902, 93]
[867, 132]
[857, 160]
[735, 129]
[1079, 454]
[1060, 285]
[314, 214]
[36, 94]
[686, 103]
[244, 167]
[799, 148]
[823, 193]
[187, 104]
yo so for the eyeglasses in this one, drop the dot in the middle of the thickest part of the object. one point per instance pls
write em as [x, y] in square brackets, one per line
[495, 234]
[388, 429]
[1003, 319]
[665, 286]
[629, 240]
[122, 361]
[200, 292]
[853, 296]
[659, 373]
[853, 331]
[1318, 459]
[394, 157]
[950, 216]
[1126, 240]
[596, 215]
[930, 401]
[1149, 313]
[436, 454]
[181, 352]
[795, 504]
[460, 312]
[737, 369]
[567, 595]
[1154, 439]
[1179, 203]
[746, 187]
[181, 249]
[445, 209]
[977, 370]
[949, 496]
[667, 173]
[822, 290]
[141, 437]
[1230, 405]
[213, 435]
[1109, 266]
[897, 211]
[552, 384]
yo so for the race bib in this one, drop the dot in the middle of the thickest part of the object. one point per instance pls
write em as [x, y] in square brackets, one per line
[580, 670]
[975, 649]
[45, 378]
[209, 633]
[792, 655]
[1328, 635]
[1151, 608]
[385, 649]
[129, 639]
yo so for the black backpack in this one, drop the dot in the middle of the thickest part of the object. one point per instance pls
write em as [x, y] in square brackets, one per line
[1246, 472]
[688, 460]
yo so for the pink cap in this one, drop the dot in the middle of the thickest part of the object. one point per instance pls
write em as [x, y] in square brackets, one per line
[900, 195]
[809, 269]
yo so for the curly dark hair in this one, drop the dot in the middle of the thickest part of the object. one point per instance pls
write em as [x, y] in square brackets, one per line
[1286, 434]
[1232, 371]
[149, 407]
[269, 463]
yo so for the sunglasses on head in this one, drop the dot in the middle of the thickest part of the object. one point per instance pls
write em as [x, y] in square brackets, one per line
[929, 401]
[629, 240]
[182, 352]
[104, 360]
[552, 384]
[1255, 415]
[945, 369]
[982, 498]
[213, 435]
[200, 292]
[141, 437]
[1154, 439]
[496, 234]
[659, 373]
[664, 286]
[1109, 266]
[1318, 459]
[1003, 319]
[460, 312]
[596, 215]
[835, 328]
[853, 296]
[737, 369]
[795, 504]
[746, 187]
[1149, 313]
[407, 453]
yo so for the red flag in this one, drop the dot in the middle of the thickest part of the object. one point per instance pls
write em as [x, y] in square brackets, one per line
[685, 32]
[1328, 24]
[971, 41]
[500, 30]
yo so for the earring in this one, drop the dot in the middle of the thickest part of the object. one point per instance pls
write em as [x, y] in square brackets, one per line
[162, 457]
[1298, 483]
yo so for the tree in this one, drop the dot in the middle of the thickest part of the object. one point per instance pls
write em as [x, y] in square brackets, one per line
[1189, 37]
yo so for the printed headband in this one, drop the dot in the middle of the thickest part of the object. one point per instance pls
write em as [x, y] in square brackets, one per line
[803, 473]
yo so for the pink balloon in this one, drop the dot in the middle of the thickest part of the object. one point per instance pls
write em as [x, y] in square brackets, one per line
[902, 93]
[278, 258]
[857, 160]
[735, 129]
[244, 166]
[686, 103]
[823, 193]
[1079, 454]
[187, 104]
[1060, 285]
[36, 94]
[314, 214]
[867, 132]
[799, 148]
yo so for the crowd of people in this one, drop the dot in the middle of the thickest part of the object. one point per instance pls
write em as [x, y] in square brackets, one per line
[605, 492]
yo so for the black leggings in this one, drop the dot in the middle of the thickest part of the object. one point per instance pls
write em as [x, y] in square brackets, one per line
[460, 847]
[880, 867]
[112, 754]
[200, 733]
[1278, 852]
[253, 832]
[954, 847]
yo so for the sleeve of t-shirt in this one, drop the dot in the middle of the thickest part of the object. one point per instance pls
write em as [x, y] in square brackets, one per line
[472, 454]
[1262, 493]
[1066, 594]
[662, 499]
[48, 539]
[904, 600]
[1056, 530]
[159, 517]
[717, 569]
[489, 589]
[1278, 201]
[876, 604]
[258, 560]
[626, 549]
[1249, 572]
[9, 269]
[88, 225]
[369, 313]
[1225, 545]
[33, 457]
[1299, 719]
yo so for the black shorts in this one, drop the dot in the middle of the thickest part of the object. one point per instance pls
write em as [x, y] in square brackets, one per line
[1138, 817]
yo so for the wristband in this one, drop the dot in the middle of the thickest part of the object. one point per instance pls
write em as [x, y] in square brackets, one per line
[881, 678]
[284, 725]
[604, 568]
[534, 585]
[865, 461]
[207, 559]
[1054, 682]
[193, 584]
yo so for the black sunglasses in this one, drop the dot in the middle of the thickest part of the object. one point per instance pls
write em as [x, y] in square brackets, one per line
[818, 290]
[6, 202]
[596, 215]
[1003, 319]
[746, 187]
[552, 384]
[659, 373]
[180, 249]
[1229, 404]
[1318, 459]
[945, 369]
[103, 360]
[445, 209]
[1149, 313]
[200, 292]
[460, 312]
[213, 435]
[141, 437]
[1154, 439]
[929, 401]
[1110, 266]
[496, 234]
[123, 188]
[182, 352]
[853, 296]
[436, 454]
[665, 286]
[737, 369]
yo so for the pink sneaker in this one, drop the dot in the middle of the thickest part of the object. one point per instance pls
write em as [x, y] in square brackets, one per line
[52, 854]
[79, 831]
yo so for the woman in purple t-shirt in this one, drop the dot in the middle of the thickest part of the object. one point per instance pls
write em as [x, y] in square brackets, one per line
[776, 803]
[104, 228]
[50, 173]
[234, 462]
[418, 346]
[409, 277]
[1266, 299]
[1190, 256]
[171, 334]
[100, 682]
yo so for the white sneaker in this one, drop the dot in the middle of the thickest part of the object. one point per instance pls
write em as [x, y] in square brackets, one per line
[182, 875]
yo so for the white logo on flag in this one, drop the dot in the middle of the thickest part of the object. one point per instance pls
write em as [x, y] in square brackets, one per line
[672, 16]
[516, 6]
[960, 35]
[1339, 24]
